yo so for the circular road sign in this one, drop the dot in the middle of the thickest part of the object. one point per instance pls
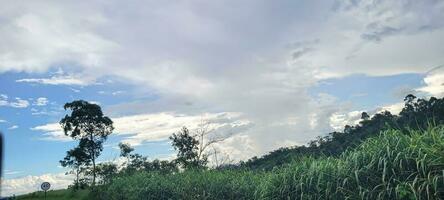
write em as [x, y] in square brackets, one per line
[45, 186]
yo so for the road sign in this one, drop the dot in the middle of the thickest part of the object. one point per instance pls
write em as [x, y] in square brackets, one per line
[45, 186]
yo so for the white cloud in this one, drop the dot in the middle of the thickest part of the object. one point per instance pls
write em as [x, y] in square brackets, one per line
[28, 184]
[11, 172]
[2, 121]
[39, 35]
[52, 132]
[154, 127]
[13, 127]
[94, 102]
[339, 120]
[137, 129]
[236, 148]
[58, 80]
[115, 93]
[395, 109]
[74, 90]
[434, 83]
[41, 101]
[3, 100]
[44, 111]
[17, 103]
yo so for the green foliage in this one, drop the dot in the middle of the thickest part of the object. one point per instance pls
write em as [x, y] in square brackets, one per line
[188, 185]
[125, 149]
[187, 148]
[392, 165]
[77, 159]
[87, 124]
[106, 171]
[136, 162]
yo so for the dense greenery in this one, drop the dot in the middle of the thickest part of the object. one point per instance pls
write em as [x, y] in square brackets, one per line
[187, 147]
[392, 165]
[417, 114]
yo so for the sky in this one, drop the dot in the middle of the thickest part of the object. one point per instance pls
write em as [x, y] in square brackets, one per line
[264, 74]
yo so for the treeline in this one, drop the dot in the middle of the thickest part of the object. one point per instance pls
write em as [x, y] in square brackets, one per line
[417, 114]
[87, 124]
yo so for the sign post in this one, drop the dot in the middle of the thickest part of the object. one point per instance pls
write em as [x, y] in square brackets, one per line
[45, 186]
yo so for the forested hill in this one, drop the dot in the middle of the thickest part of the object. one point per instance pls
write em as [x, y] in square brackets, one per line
[417, 114]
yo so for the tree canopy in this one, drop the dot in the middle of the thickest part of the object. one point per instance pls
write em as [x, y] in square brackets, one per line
[87, 123]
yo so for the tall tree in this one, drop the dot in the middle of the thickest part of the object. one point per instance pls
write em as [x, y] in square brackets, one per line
[87, 124]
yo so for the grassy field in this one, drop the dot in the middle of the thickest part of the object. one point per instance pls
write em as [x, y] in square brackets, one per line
[390, 166]
[57, 195]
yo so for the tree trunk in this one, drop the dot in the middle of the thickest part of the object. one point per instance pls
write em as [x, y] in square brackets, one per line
[94, 170]
[93, 150]
[77, 179]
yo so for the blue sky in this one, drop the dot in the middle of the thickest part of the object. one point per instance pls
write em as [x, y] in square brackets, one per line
[263, 74]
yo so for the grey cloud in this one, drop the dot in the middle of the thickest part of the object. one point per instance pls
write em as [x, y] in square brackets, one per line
[377, 33]
[385, 18]
[297, 54]
[235, 56]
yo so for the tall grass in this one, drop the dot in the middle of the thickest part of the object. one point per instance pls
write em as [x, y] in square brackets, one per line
[188, 185]
[390, 166]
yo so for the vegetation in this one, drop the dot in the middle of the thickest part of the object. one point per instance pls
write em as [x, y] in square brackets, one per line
[87, 124]
[65, 194]
[138, 163]
[392, 165]
[187, 147]
[383, 157]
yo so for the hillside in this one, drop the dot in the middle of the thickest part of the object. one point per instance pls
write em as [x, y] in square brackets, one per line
[417, 114]
[392, 165]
